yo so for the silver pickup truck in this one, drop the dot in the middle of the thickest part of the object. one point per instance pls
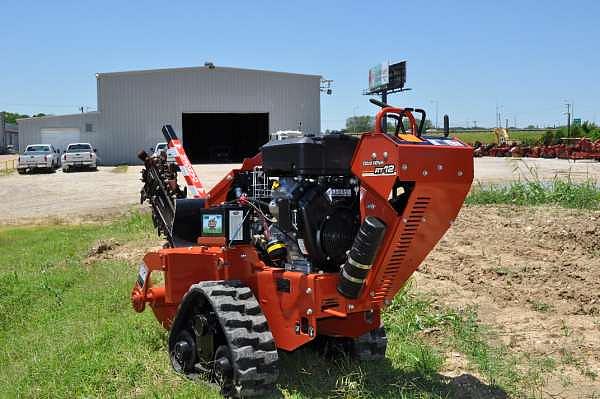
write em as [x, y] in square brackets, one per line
[38, 156]
[79, 155]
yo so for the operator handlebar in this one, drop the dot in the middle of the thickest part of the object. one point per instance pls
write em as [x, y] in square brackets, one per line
[398, 114]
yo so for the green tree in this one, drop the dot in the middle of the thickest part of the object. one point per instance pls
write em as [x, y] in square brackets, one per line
[11, 117]
[359, 124]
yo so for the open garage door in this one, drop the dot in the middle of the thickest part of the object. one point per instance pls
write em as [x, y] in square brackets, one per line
[224, 137]
[61, 137]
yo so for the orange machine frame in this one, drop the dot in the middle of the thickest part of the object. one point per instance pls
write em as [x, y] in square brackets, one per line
[442, 173]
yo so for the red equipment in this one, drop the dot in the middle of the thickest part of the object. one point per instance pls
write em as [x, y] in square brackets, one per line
[311, 237]
[570, 148]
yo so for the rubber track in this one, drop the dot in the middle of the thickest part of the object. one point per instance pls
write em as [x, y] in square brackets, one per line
[253, 350]
[370, 346]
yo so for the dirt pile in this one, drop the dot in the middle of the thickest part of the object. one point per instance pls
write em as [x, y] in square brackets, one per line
[533, 273]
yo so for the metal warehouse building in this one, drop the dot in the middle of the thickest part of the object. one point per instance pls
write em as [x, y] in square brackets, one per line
[221, 114]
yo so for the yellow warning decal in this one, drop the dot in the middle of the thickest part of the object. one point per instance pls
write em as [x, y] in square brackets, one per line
[410, 137]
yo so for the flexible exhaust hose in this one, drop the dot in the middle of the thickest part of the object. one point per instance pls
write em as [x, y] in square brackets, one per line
[360, 257]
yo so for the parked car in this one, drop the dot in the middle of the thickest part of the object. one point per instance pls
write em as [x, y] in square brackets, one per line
[38, 156]
[79, 156]
[163, 147]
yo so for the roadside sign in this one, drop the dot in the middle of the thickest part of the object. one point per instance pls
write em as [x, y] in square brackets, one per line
[576, 121]
[379, 76]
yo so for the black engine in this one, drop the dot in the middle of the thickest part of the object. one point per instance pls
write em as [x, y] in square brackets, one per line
[307, 202]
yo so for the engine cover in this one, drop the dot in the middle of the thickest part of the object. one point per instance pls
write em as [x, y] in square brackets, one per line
[328, 155]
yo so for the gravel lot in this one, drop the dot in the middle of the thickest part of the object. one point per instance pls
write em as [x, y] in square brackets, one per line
[94, 195]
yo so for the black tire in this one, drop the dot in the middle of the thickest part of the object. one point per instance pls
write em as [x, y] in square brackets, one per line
[65, 169]
[245, 361]
[369, 346]
[21, 171]
[184, 352]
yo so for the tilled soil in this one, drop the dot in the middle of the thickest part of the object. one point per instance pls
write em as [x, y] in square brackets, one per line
[533, 274]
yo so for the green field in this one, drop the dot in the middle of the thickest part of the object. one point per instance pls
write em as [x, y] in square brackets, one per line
[67, 330]
[489, 137]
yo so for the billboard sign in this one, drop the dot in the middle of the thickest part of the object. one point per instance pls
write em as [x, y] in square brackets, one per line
[379, 76]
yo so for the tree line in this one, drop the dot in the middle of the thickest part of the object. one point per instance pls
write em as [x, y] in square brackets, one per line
[11, 117]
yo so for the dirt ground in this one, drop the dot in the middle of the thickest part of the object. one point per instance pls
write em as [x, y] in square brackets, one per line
[532, 273]
[78, 196]
[90, 195]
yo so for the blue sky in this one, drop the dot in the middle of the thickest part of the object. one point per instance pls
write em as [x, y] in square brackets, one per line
[469, 56]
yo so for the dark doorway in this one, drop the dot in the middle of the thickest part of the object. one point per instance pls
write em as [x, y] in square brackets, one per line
[223, 138]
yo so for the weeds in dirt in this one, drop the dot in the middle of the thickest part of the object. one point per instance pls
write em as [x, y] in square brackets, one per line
[540, 306]
[565, 329]
[570, 358]
[565, 193]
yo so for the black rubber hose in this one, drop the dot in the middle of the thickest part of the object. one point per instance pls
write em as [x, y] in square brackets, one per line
[361, 257]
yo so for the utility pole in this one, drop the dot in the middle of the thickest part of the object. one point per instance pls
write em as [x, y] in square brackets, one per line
[2, 132]
[506, 123]
[436, 111]
[497, 123]
[499, 116]
[568, 119]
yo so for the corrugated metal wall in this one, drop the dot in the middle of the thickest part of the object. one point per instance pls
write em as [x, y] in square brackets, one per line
[133, 106]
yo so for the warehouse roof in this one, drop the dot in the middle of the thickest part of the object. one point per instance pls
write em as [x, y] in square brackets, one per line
[59, 116]
[200, 68]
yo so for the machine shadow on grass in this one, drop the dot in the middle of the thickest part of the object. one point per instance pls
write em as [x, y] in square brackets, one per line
[307, 374]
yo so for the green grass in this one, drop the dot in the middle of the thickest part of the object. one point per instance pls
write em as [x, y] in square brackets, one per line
[559, 192]
[67, 330]
[489, 137]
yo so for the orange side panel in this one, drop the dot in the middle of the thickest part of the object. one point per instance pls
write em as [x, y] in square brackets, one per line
[442, 176]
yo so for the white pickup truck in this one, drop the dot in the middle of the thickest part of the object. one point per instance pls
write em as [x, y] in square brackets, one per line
[79, 155]
[38, 156]
[163, 147]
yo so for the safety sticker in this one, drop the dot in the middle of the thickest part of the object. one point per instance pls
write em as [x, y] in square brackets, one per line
[143, 272]
[452, 143]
